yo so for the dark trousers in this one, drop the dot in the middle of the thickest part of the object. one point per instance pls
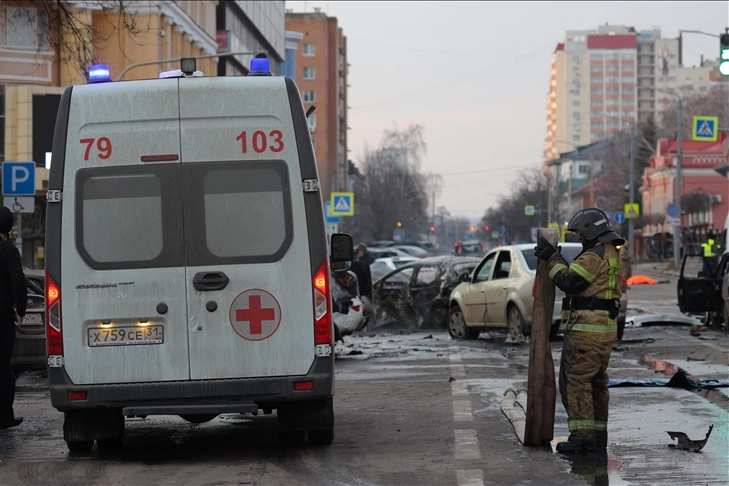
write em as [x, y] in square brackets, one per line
[7, 377]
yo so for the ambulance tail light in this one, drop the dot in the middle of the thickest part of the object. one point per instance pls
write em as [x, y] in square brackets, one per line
[322, 312]
[54, 336]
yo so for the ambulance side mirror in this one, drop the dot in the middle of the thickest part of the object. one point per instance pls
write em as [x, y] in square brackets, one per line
[342, 252]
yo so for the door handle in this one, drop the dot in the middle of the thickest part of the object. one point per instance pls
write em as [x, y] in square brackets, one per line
[205, 281]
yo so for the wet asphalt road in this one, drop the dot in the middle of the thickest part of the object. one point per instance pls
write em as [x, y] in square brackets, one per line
[418, 409]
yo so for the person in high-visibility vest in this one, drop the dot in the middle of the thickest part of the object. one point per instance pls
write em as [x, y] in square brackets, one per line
[708, 252]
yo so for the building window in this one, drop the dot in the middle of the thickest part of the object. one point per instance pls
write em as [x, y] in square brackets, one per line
[596, 57]
[612, 90]
[576, 138]
[26, 27]
[576, 115]
[583, 169]
[627, 67]
[612, 67]
[703, 89]
[309, 73]
[596, 101]
[612, 79]
[596, 79]
[628, 79]
[309, 96]
[309, 49]
[672, 56]
[596, 67]
[628, 101]
[672, 79]
[596, 124]
[629, 113]
[596, 90]
[575, 92]
[613, 55]
[613, 124]
[576, 69]
[626, 55]
[576, 103]
[576, 59]
[311, 120]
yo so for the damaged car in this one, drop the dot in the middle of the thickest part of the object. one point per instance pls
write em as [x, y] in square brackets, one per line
[416, 294]
[349, 311]
[703, 289]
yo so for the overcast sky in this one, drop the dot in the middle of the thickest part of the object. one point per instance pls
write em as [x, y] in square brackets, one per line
[476, 76]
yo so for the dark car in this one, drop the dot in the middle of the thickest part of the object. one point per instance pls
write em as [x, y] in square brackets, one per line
[29, 351]
[416, 294]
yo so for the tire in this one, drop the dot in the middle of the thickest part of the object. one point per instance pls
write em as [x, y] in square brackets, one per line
[80, 446]
[515, 321]
[291, 437]
[457, 327]
[621, 329]
[110, 444]
[323, 437]
[438, 316]
[199, 418]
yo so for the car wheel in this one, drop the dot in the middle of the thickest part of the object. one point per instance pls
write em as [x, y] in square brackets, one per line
[516, 323]
[80, 445]
[291, 437]
[621, 329]
[438, 316]
[457, 327]
[321, 436]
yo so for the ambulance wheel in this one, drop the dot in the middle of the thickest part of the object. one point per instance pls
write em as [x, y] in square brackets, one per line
[199, 418]
[110, 444]
[321, 436]
[80, 445]
[290, 437]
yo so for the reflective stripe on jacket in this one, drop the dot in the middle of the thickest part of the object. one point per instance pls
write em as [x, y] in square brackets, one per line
[594, 273]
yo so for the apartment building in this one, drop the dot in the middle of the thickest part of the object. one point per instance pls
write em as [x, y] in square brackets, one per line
[321, 74]
[605, 78]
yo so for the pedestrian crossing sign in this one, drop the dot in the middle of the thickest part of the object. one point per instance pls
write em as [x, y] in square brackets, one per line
[705, 129]
[342, 203]
[632, 211]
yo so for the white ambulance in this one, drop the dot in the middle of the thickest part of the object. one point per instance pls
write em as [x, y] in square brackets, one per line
[187, 270]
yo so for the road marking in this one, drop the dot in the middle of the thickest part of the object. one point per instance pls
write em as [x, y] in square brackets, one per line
[456, 366]
[470, 477]
[467, 445]
[459, 388]
[462, 411]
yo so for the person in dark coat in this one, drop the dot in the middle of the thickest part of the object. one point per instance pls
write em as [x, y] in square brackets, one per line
[13, 295]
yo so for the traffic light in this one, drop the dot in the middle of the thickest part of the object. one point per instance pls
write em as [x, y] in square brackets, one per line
[724, 55]
[485, 227]
[471, 229]
[432, 229]
[399, 224]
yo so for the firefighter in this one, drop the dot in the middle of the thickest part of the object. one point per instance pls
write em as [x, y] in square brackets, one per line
[589, 313]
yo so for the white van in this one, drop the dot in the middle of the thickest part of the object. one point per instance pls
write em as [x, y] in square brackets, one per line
[187, 270]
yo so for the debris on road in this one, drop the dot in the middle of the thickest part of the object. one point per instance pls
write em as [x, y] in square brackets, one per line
[641, 279]
[516, 414]
[679, 380]
[687, 444]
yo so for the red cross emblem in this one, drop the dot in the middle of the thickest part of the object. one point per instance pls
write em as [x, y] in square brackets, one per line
[255, 314]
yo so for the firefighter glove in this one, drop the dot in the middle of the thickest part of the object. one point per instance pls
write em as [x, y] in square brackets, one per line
[544, 249]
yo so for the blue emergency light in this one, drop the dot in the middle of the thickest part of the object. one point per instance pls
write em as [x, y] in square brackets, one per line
[260, 66]
[99, 73]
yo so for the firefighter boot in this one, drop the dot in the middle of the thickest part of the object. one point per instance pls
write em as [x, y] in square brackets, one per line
[577, 444]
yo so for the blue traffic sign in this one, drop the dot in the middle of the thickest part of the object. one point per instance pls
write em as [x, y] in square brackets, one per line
[18, 178]
[673, 211]
[620, 217]
[328, 217]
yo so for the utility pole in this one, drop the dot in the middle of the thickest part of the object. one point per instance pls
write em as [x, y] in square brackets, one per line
[631, 225]
[679, 175]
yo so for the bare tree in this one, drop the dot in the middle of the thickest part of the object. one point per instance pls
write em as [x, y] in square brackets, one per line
[711, 104]
[67, 28]
[393, 189]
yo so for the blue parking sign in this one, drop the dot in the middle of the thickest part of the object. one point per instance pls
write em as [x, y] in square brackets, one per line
[18, 178]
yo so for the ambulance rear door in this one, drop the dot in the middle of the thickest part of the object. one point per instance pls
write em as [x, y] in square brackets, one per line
[124, 314]
[249, 278]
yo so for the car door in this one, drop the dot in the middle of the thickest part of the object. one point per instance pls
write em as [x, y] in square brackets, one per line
[391, 295]
[697, 291]
[474, 298]
[497, 289]
[424, 289]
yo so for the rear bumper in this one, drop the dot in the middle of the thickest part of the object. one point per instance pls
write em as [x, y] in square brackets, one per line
[201, 396]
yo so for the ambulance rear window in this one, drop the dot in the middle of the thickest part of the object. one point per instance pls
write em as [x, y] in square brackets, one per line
[129, 218]
[241, 212]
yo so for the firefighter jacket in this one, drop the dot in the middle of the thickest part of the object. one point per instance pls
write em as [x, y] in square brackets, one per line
[592, 285]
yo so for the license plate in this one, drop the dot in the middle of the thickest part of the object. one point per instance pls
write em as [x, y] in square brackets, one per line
[125, 336]
[32, 319]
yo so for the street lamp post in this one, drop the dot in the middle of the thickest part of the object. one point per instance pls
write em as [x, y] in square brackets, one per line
[679, 173]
